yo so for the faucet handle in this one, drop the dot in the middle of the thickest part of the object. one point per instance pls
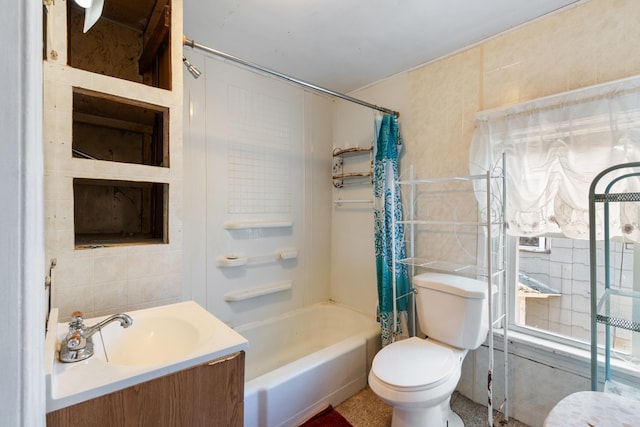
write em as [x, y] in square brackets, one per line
[76, 319]
[74, 341]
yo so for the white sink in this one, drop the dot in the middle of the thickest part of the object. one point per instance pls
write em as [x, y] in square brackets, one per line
[151, 340]
[161, 340]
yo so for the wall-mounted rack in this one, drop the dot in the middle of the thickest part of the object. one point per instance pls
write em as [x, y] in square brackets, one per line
[340, 175]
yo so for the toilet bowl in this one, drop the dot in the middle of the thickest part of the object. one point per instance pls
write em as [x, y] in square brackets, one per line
[417, 376]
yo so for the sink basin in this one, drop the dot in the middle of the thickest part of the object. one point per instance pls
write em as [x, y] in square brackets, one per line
[150, 340]
[161, 341]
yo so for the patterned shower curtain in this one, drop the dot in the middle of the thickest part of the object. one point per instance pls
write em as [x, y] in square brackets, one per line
[387, 208]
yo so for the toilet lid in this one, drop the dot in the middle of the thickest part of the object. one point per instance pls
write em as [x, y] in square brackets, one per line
[414, 363]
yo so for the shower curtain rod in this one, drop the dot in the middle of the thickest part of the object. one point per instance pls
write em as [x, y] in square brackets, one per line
[196, 45]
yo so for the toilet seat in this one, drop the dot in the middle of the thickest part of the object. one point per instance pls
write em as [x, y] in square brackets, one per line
[414, 364]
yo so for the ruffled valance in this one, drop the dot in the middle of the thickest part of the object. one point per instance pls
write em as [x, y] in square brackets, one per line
[553, 148]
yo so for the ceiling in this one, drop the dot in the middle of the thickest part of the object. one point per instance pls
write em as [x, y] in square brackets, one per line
[344, 45]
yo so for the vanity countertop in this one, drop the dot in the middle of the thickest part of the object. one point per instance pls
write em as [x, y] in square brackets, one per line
[205, 338]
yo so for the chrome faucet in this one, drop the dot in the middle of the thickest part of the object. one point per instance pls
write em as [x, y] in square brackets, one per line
[78, 344]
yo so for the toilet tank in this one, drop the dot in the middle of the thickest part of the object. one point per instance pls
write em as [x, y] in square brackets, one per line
[452, 309]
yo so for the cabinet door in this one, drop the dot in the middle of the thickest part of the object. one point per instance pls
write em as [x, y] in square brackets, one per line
[211, 394]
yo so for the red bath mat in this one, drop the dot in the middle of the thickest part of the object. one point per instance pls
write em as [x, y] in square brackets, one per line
[328, 417]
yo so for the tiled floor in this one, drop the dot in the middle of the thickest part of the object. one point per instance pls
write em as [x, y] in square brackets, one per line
[365, 409]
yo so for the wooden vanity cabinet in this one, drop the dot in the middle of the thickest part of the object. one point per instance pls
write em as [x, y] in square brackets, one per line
[211, 394]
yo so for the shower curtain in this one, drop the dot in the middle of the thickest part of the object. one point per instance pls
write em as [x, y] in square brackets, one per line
[389, 238]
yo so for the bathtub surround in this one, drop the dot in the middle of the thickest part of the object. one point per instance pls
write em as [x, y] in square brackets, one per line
[257, 152]
[258, 182]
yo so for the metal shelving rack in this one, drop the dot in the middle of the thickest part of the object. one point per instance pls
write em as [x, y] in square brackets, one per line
[606, 309]
[490, 220]
[339, 175]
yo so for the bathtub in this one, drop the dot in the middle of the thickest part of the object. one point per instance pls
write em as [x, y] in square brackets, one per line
[300, 362]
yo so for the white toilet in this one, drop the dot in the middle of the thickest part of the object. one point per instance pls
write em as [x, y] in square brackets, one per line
[417, 376]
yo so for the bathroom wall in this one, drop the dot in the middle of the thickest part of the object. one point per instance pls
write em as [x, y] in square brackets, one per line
[22, 389]
[256, 149]
[105, 278]
[580, 46]
[353, 273]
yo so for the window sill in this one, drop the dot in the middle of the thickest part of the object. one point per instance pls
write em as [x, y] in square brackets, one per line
[565, 357]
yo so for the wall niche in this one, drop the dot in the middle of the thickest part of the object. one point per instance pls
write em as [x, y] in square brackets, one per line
[112, 131]
[130, 41]
[106, 127]
[110, 212]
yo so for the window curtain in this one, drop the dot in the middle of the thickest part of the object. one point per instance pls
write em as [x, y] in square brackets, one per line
[553, 148]
[393, 285]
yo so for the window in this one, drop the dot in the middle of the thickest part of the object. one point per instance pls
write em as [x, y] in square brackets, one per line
[534, 244]
[552, 149]
[553, 289]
